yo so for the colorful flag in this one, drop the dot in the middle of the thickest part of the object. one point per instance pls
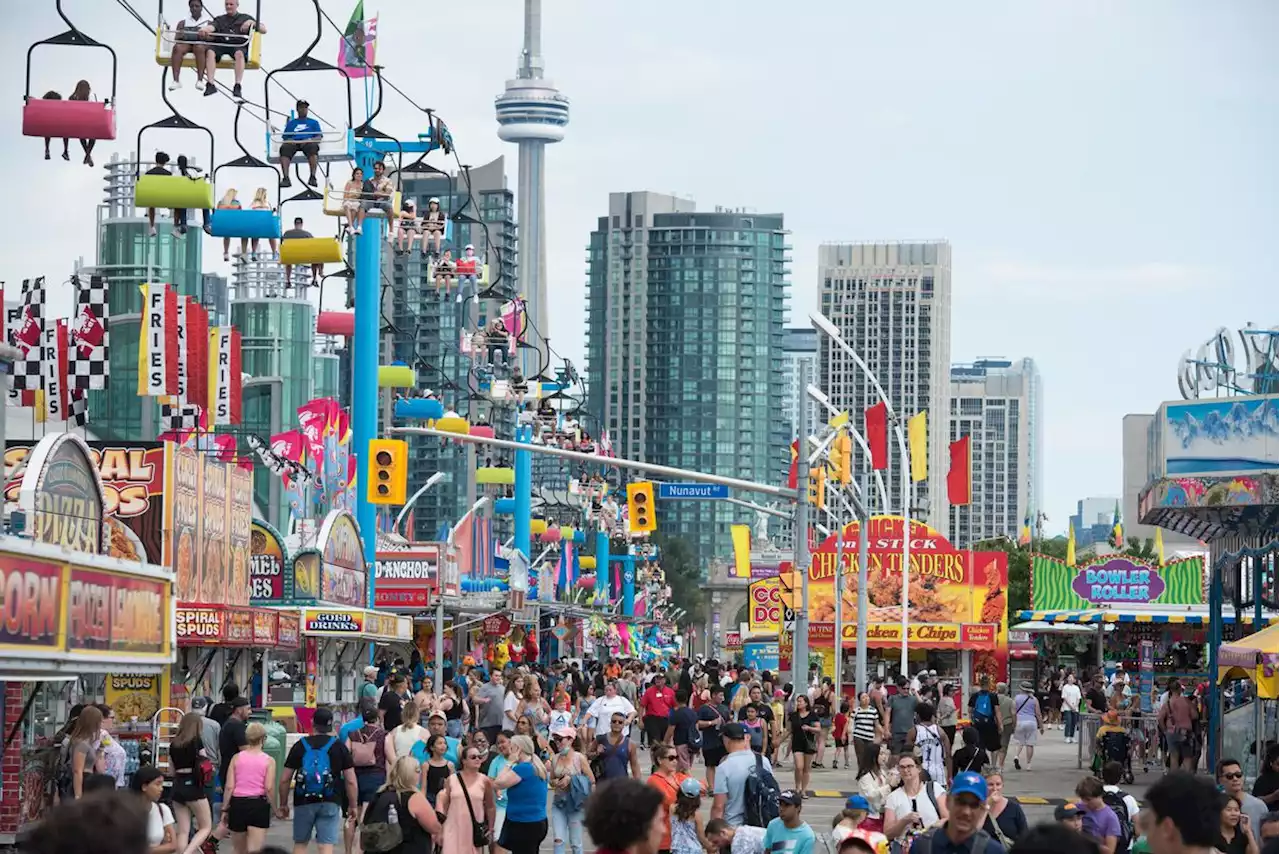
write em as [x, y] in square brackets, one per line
[1071, 545]
[876, 420]
[197, 354]
[741, 537]
[27, 334]
[90, 336]
[1160, 546]
[1024, 535]
[158, 342]
[356, 52]
[53, 357]
[918, 441]
[960, 475]
[1117, 530]
[793, 473]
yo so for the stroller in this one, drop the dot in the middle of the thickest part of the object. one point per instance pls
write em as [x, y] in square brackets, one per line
[1113, 747]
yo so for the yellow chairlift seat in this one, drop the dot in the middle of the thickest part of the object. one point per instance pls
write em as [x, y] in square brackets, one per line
[495, 476]
[334, 147]
[587, 562]
[537, 527]
[166, 38]
[172, 191]
[396, 376]
[453, 424]
[333, 201]
[308, 250]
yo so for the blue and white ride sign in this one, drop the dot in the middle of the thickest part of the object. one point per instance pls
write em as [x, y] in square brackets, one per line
[693, 491]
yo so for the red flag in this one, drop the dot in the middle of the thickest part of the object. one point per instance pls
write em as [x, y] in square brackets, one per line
[235, 376]
[171, 354]
[876, 420]
[794, 473]
[959, 476]
[197, 354]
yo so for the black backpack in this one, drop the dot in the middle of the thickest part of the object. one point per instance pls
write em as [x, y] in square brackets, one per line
[1115, 800]
[760, 796]
[380, 831]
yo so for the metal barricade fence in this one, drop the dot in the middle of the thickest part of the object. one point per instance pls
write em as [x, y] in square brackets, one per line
[1144, 749]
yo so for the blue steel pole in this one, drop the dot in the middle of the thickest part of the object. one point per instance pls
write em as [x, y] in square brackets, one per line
[364, 369]
[1215, 640]
[524, 493]
[602, 568]
[628, 586]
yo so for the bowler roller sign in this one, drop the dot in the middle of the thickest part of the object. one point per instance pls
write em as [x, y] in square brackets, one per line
[1118, 581]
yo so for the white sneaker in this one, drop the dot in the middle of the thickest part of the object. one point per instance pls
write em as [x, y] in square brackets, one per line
[153, 231]
[175, 85]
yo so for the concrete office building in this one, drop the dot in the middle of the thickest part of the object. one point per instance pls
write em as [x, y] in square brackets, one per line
[891, 303]
[1135, 445]
[799, 347]
[997, 403]
[1093, 522]
[685, 315]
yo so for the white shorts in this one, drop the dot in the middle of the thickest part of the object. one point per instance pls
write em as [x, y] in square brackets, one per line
[1025, 734]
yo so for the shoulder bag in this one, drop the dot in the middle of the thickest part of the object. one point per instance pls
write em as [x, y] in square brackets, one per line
[480, 835]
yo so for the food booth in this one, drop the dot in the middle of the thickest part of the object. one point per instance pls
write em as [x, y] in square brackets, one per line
[81, 625]
[957, 618]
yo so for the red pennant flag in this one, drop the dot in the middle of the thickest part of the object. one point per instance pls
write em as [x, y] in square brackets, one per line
[959, 476]
[794, 473]
[876, 420]
[171, 354]
[235, 375]
[197, 355]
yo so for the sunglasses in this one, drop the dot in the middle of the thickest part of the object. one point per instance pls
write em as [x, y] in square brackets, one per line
[475, 756]
[1232, 775]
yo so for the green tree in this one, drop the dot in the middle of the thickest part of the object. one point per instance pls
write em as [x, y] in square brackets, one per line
[1144, 550]
[680, 563]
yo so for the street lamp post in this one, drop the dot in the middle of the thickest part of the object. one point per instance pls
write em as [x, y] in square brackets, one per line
[825, 326]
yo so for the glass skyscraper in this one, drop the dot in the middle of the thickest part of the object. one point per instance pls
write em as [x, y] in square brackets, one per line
[427, 327]
[685, 314]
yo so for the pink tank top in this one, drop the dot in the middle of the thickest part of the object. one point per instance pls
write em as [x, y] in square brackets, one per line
[251, 774]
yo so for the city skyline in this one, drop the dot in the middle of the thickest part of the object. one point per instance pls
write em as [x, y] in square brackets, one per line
[1064, 224]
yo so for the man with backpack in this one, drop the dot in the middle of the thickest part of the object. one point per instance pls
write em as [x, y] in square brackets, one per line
[1123, 804]
[745, 790]
[324, 783]
[962, 830]
[984, 712]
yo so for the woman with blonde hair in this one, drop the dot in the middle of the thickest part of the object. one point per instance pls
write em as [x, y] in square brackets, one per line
[525, 781]
[262, 203]
[231, 202]
[249, 793]
[82, 756]
[402, 785]
[408, 739]
[186, 756]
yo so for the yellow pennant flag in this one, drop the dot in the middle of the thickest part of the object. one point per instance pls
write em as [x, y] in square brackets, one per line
[838, 420]
[918, 440]
[1160, 546]
[1071, 545]
[741, 535]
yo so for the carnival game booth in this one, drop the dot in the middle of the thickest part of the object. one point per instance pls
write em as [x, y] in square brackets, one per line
[82, 626]
[957, 613]
[1252, 665]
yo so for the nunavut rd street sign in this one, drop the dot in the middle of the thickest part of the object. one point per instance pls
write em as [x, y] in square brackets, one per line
[693, 491]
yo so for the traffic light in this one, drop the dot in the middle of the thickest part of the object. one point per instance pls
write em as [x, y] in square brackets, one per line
[640, 510]
[818, 487]
[387, 471]
[841, 458]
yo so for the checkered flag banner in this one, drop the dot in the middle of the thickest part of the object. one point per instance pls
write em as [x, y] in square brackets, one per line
[180, 417]
[26, 333]
[79, 414]
[90, 337]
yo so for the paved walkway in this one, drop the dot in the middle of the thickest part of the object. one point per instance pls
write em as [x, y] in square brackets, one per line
[1050, 781]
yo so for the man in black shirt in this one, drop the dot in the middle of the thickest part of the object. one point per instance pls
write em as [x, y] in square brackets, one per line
[230, 36]
[712, 716]
[221, 711]
[392, 701]
[1095, 696]
[232, 736]
[319, 803]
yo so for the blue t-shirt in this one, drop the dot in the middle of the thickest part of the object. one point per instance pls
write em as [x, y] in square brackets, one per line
[731, 781]
[495, 768]
[527, 800]
[780, 839]
[451, 751]
[296, 129]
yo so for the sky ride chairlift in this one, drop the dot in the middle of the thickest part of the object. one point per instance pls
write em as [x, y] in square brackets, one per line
[167, 37]
[241, 222]
[46, 117]
[172, 191]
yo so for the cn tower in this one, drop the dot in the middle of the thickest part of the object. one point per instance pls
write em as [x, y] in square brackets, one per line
[531, 113]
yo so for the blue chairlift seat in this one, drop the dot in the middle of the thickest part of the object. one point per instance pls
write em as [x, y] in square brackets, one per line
[229, 222]
[419, 409]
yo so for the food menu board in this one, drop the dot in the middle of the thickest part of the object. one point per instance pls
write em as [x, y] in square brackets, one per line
[182, 512]
[214, 533]
[239, 529]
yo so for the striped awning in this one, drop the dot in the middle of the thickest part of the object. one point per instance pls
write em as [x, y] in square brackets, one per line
[1117, 616]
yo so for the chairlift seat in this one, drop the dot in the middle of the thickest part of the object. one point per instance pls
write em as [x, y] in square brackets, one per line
[167, 37]
[419, 409]
[453, 424]
[68, 119]
[484, 431]
[537, 527]
[504, 506]
[172, 191]
[232, 222]
[334, 147]
[586, 562]
[396, 376]
[310, 250]
[495, 476]
[338, 323]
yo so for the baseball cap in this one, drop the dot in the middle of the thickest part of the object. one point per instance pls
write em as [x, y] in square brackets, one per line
[690, 788]
[322, 721]
[969, 782]
[564, 732]
[239, 702]
[790, 796]
[437, 714]
[1065, 811]
[857, 802]
[302, 102]
[371, 671]
[734, 731]
[199, 704]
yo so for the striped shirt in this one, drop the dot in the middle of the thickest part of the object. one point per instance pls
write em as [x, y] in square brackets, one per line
[864, 723]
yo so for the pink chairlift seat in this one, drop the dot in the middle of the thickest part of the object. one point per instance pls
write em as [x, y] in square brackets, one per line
[68, 119]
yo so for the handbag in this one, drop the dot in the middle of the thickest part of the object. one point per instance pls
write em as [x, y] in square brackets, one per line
[480, 835]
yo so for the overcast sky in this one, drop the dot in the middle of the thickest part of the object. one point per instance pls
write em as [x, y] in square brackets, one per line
[1106, 172]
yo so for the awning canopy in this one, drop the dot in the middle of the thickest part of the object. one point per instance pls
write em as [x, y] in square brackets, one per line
[1041, 627]
[1184, 616]
[1207, 508]
[1255, 657]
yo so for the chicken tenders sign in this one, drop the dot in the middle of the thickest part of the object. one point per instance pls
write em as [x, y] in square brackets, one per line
[956, 599]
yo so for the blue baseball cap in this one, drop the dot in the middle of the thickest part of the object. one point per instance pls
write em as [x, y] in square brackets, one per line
[971, 783]
[857, 802]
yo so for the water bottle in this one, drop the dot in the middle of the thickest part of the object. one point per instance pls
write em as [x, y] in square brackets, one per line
[392, 816]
